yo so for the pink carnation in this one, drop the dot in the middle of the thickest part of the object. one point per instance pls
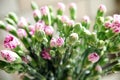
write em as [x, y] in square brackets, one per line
[60, 41]
[21, 33]
[64, 19]
[9, 55]
[53, 42]
[93, 57]
[36, 13]
[31, 29]
[22, 22]
[44, 10]
[72, 5]
[49, 30]
[70, 22]
[102, 8]
[39, 25]
[86, 19]
[61, 6]
[11, 42]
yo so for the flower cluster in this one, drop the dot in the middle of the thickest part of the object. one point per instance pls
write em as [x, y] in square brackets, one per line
[57, 47]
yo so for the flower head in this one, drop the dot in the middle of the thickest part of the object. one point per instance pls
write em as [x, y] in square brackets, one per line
[102, 8]
[53, 42]
[36, 13]
[11, 42]
[39, 25]
[9, 55]
[21, 33]
[45, 54]
[72, 6]
[44, 10]
[93, 57]
[49, 30]
[61, 6]
[70, 22]
[60, 41]
[86, 19]
[64, 19]
[22, 22]
[31, 29]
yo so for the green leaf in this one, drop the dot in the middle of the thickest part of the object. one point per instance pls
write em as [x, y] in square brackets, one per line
[3, 64]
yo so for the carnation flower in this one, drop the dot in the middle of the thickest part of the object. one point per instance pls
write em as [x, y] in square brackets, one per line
[72, 6]
[31, 29]
[21, 33]
[61, 6]
[44, 10]
[11, 42]
[102, 8]
[39, 25]
[9, 55]
[86, 19]
[22, 22]
[93, 57]
[45, 54]
[36, 13]
[64, 19]
[60, 41]
[53, 42]
[49, 30]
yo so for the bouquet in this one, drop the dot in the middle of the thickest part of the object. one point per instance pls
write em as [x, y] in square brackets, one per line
[58, 47]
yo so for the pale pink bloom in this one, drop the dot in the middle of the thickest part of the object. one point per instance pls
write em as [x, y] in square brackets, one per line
[9, 55]
[10, 27]
[53, 42]
[36, 13]
[22, 22]
[44, 10]
[70, 22]
[72, 6]
[61, 6]
[102, 8]
[49, 30]
[64, 19]
[31, 29]
[21, 33]
[93, 57]
[60, 41]
[39, 25]
[11, 42]
[116, 18]
[86, 19]
[98, 68]
[108, 24]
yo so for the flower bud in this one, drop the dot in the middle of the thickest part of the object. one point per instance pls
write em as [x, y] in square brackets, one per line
[40, 35]
[61, 8]
[72, 8]
[49, 30]
[101, 10]
[11, 42]
[101, 43]
[70, 23]
[39, 25]
[53, 42]
[60, 41]
[73, 38]
[64, 19]
[2, 25]
[85, 22]
[31, 29]
[22, 22]
[36, 15]
[13, 16]
[10, 56]
[34, 5]
[10, 21]
[98, 68]
[21, 33]
[93, 57]
[44, 10]
[10, 28]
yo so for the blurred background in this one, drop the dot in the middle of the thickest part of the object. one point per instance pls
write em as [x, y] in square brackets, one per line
[23, 8]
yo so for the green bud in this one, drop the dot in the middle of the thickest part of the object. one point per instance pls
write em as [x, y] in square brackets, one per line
[9, 21]
[61, 50]
[78, 28]
[34, 5]
[100, 20]
[13, 16]
[100, 43]
[40, 35]
[2, 25]
[52, 53]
